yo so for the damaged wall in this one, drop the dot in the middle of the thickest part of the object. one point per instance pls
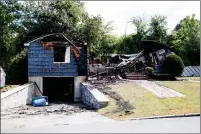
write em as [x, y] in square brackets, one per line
[41, 63]
[48, 62]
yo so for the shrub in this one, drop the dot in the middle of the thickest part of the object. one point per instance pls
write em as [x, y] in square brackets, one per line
[173, 65]
[149, 70]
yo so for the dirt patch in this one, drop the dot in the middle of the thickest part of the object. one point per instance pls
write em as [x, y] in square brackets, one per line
[53, 108]
[102, 85]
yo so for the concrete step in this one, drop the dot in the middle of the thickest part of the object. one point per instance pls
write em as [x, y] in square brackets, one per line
[135, 77]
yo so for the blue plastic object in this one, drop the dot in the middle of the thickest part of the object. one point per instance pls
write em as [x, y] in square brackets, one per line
[39, 102]
[43, 102]
[158, 69]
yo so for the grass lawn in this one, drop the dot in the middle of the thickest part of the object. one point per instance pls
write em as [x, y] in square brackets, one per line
[147, 104]
[189, 78]
[8, 87]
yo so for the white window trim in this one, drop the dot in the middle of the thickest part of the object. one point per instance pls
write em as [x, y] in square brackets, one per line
[67, 56]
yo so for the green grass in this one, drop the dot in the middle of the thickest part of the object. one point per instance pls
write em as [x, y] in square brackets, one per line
[189, 78]
[147, 104]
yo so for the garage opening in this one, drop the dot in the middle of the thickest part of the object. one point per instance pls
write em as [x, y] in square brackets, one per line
[59, 89]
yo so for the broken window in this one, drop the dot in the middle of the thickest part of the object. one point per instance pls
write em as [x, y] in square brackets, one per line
[61, 54]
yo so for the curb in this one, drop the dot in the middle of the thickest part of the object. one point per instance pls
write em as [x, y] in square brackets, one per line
[167, 116]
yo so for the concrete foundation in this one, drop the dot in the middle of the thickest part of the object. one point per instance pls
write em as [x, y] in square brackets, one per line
[77, 82]
[39, 82]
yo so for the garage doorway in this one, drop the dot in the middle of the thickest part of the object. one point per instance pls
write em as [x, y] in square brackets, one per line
[59, 89]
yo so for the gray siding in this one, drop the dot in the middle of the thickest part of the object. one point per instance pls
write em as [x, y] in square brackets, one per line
[191, 71]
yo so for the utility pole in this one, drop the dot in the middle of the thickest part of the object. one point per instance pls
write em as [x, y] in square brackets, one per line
[125, 33]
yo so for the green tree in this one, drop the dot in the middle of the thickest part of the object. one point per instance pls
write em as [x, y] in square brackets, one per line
[141, 25]
[187, 40]
[157, 29]
[9, 14]
[108, 44]
[127, 45]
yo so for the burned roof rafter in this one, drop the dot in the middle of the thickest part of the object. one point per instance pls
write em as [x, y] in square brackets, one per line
[56, 34]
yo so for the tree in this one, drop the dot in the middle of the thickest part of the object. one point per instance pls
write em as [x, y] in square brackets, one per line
[108, 44]
[146, 29]
[187, 40]
[158, 30]
[141, 25]
[127, 45]
[97, 35]
[9, 14]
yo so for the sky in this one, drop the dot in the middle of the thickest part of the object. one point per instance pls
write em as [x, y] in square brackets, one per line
[123, 11]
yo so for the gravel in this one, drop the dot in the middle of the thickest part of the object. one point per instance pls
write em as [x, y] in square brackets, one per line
[53, 108]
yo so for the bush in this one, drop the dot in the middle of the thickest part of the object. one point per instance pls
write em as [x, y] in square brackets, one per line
[17, 72]
[149, 70]
[172, 53]
[173, 65]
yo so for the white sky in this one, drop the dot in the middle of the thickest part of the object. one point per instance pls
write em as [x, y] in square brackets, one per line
[122, 11]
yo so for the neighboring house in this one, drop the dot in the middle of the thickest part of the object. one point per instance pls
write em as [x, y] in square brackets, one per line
[2, 77]
[57, 66]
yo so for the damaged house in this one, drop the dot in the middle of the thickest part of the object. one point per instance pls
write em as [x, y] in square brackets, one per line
[57, 66]
[153, 54]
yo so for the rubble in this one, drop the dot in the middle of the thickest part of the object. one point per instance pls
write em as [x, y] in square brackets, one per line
[53, 108]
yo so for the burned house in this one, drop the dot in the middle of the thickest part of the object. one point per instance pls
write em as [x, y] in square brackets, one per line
[155, 52]
[57, 66]
[152, 55]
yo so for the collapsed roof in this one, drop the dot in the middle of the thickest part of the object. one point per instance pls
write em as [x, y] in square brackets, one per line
[150, 46]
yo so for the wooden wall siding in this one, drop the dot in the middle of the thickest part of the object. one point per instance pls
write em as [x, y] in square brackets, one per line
[41, 63]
